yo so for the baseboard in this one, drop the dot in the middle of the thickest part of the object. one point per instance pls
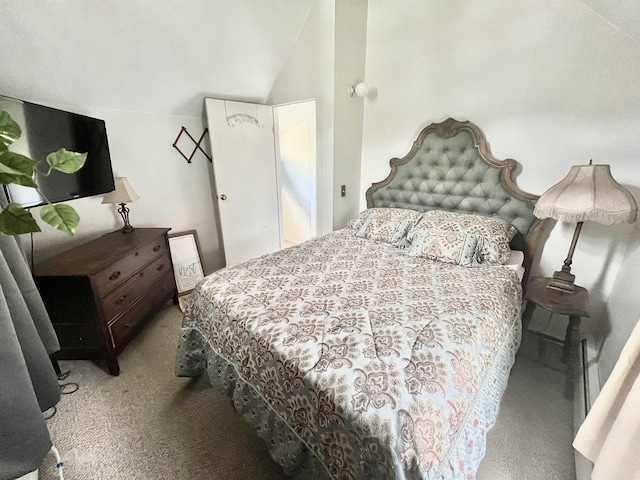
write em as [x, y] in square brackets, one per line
[587, 389]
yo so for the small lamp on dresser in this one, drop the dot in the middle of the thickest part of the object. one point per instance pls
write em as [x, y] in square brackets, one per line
[123, 194]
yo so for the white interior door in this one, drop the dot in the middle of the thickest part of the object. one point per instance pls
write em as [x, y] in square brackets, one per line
[245, 177]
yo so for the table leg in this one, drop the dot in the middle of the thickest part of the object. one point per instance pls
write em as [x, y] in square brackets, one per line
[570, 353]
[527, 314]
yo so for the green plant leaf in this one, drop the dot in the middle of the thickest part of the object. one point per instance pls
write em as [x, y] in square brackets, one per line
[15, 220]
[6, 178]
[9, 130]
[66, 161]
[61, 216]
[16, 168]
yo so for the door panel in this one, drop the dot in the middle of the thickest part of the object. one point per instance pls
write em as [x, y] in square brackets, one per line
[244, 165]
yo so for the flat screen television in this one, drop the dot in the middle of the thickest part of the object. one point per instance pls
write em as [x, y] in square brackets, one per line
[46, 130]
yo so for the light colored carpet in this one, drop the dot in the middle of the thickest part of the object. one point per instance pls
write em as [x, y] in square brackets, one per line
[149, 424]
[532, 437]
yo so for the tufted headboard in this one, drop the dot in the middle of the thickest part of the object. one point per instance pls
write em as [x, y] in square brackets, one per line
[450, 167]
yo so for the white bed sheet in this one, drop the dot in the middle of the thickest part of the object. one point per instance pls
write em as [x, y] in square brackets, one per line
[516, 260]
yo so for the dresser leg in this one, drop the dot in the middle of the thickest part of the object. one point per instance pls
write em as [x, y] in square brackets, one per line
[113, 366]
[56, 365]
[570, 353]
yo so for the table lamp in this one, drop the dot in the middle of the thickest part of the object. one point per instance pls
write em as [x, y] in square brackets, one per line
[587, 194]
[123, 194]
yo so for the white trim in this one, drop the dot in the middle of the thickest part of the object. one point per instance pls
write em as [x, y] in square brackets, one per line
[586, 390]
[278, 160]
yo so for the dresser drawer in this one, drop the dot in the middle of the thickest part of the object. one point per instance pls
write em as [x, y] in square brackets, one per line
[121, 270]
[124, 325]
[119, 299]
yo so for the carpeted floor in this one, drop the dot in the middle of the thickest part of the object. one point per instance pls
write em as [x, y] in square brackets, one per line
[532, 437]
[149, 424]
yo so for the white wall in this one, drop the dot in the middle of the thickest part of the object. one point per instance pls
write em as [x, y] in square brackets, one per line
[309, 74]
[350, 45]
[623, 307]
[173, 193]
[551, 84]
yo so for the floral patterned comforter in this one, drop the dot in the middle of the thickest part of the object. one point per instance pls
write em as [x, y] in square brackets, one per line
[375, 364]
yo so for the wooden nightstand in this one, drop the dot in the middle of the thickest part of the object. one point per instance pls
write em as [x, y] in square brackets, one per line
[99, 294]
[572, 304]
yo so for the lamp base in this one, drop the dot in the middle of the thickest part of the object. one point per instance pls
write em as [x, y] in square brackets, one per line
[562, 281]
[124, 213]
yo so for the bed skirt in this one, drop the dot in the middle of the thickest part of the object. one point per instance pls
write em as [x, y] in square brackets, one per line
[196, 355]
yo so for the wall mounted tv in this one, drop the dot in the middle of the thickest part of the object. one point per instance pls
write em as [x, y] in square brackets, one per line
[46, 130]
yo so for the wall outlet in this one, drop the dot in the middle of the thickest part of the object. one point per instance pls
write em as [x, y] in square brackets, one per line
[343, 190]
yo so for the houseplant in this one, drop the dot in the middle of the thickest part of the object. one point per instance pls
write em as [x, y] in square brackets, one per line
[22, 170]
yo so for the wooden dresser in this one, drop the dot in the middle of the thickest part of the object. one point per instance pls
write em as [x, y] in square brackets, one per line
[100, 293]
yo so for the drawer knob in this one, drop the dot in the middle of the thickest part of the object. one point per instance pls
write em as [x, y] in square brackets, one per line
[161, 266]
[156, 248]
[115, 275]
[121, 299]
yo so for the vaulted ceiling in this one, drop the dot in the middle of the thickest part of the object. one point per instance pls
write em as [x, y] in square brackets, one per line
[149, 56]
[164, 55]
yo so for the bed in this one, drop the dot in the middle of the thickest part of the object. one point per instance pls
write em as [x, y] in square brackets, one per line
[381, 350]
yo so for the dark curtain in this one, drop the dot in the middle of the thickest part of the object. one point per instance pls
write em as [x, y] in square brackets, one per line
[28, 382]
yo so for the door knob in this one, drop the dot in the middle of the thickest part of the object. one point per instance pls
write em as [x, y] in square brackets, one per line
[223, 197]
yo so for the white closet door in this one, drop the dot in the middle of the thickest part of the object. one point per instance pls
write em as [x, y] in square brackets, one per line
[245, 177]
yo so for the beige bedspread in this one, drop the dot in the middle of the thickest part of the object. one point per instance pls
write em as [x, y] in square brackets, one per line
[379, 364]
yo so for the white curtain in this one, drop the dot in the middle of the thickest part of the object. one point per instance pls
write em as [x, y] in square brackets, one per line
[610, 435]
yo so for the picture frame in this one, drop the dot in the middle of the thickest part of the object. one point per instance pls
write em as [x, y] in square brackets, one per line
[186, 259]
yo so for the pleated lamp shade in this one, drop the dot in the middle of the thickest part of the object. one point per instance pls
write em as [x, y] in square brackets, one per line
[588, 193]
